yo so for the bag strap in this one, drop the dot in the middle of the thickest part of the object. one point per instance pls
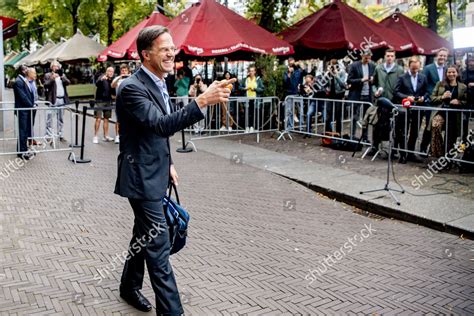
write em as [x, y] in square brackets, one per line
[171, 188]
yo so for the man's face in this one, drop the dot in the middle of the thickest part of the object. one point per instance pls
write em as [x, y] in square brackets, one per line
[161, 55]
[124, 71]
[109, 72]
[291, 62]
[308, 80]
[54, 68]
[470, 64]
[414, 67]
[442, 57]
[389, 58]
[31, 74]
[365, 59]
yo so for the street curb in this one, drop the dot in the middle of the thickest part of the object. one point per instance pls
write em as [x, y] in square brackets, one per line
[383, 210]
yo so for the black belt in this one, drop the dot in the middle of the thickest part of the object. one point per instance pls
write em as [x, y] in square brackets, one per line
[59, 97]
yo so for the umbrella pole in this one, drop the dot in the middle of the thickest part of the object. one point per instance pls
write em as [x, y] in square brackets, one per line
[2, 75]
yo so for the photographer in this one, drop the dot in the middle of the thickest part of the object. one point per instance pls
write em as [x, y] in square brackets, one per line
[55, 83]
[103, 98]
[124, 74]
[335, 90]
[308, 90]
[197, 88]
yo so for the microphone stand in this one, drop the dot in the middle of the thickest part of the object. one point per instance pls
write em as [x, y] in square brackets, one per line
[389, 161]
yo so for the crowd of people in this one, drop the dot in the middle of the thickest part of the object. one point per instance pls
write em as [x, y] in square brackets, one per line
[436, 85]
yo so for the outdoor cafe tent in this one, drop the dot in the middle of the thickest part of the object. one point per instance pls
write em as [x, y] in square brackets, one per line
[126, 47]
[209, 29]
[425, 41]
[337, 29]
[16, 59]
[10, 56]
[78, 47]
[34, 58]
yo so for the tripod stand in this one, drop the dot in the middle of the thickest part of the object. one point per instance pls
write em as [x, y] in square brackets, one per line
[389, 163]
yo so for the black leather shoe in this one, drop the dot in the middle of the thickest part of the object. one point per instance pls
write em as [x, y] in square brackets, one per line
[402, 160]
[137, 300]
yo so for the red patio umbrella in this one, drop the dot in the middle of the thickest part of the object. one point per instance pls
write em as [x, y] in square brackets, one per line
[10, 27]
[337, 29]
[210, 29]
[126, 47]
[425, 41]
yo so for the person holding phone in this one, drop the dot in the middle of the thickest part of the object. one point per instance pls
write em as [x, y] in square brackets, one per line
[124, 74]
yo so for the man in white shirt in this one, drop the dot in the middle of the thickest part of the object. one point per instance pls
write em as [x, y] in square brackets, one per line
[55, 83]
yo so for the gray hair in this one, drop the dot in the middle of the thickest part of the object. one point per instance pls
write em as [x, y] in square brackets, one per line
[30, 70]
[147, 36]
[55, 63]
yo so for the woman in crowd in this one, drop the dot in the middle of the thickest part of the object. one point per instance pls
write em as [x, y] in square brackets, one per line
[227, 122]
[449, 93]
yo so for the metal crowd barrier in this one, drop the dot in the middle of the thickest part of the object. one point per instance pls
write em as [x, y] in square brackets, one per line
[49, 129]
[238, 116]
[323, 118]
[343, 120]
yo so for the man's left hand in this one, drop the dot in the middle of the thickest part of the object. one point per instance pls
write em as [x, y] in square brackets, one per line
[173, 175]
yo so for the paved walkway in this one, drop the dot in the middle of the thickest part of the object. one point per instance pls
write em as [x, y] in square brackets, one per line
[444, 202]
[259, 244]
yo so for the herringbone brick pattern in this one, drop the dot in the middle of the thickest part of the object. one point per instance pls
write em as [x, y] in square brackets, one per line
[253, 238]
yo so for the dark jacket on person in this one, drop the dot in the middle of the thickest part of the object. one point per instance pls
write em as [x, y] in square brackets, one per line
[145, 127]
[104, 90]
[404, 88]
[260, 86]
[51, 89]
[354, 79]
[386, 80]
[432, 77]
[467, 77]
[23, 95]
[292, 82]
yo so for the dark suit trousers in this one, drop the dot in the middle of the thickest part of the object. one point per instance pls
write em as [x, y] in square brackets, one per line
[156, 251]
[24, 129]
[412, 127]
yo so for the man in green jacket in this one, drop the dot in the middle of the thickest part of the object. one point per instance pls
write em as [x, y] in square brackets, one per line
[385, 80]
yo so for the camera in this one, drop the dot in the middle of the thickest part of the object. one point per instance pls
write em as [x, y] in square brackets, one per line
[198, 80]
[59, 72]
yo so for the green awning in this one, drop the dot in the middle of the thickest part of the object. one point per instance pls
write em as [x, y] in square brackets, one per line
[16, 59]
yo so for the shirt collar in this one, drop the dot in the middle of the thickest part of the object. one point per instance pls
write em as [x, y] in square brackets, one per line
[438, 66]
[159, 82]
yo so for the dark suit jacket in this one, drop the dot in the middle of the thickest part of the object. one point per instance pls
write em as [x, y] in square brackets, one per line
[23, 96]
[51, 89]
[404, 87]
[432, 77]
[354, 79]
[144, 159]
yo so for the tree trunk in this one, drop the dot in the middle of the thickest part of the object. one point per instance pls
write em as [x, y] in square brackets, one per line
[161, 4]
[75, 16]
[432, 14]
[110, 22]
[267, 19]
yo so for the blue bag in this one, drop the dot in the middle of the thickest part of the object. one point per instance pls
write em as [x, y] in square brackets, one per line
[177, 219]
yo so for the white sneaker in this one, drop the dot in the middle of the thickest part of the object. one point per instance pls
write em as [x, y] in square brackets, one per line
[251, 129]
[247, 130]
[95, 140]
[296, 118]
[107, 139]
[223, 129]
[117, 139]
[230, 129]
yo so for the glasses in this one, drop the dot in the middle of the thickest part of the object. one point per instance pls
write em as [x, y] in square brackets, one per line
[166, 50]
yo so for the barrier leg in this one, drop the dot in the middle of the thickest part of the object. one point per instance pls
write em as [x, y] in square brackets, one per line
[76, 136]
[84, 116]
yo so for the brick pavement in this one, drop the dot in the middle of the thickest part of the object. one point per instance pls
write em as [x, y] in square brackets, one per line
[254, 237]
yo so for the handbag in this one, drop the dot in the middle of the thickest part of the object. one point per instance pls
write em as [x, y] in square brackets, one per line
[177, 219]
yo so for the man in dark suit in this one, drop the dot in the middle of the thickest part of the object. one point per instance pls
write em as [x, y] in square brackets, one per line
[24, 99]
[434, 73]
[360, 79]
[412, 86]
[145, 167]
